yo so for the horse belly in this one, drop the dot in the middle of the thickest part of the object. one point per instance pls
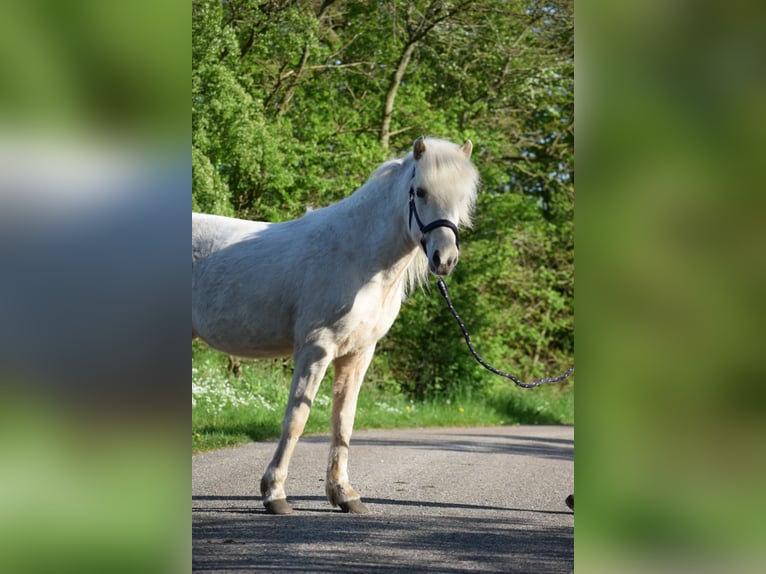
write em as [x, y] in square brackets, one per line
[263, 335]
[252, 344]
[238, 317]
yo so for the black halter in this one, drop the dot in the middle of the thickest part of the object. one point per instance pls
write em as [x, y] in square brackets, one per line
[431, 226]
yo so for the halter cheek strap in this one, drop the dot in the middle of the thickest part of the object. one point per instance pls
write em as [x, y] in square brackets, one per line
[431, 226]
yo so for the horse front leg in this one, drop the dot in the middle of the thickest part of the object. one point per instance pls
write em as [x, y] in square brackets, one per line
[349, 374]
[310, 366]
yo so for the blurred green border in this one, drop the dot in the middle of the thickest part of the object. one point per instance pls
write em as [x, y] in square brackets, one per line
[669, 466]
[92, 483]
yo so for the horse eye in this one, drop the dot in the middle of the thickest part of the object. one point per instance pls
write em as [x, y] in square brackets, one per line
[421, 192]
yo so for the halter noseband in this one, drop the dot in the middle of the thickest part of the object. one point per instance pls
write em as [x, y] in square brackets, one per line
[431, 226]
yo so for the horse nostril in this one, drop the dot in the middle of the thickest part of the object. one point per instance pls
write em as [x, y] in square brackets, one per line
[437, 260]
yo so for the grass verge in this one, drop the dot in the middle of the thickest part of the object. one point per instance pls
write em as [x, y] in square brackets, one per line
[229, 410]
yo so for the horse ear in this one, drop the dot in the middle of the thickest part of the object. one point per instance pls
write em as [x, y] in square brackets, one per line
[419, 147]
[467, 148]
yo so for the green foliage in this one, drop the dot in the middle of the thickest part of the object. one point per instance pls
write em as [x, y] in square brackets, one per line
[233, 144]
[289, 103]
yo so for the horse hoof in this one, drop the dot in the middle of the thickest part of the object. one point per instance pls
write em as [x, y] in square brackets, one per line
[278, 506]
[354, 507]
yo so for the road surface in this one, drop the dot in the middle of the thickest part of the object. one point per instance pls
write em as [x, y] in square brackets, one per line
[440, 500]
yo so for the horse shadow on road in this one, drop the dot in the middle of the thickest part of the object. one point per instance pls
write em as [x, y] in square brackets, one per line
[542, 447]
[322, 542]
[318, 504]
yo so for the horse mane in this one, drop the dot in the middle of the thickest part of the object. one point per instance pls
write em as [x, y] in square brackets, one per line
[417, 274]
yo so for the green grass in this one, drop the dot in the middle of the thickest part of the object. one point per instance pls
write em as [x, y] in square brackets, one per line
[229, 410]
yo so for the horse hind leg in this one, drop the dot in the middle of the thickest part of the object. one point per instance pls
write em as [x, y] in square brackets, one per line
[310, 366]
[349, 374]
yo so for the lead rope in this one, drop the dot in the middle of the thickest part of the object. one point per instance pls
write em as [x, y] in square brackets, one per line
[482, 362]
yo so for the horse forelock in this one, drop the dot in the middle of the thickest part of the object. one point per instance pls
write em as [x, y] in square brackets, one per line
[450, 177]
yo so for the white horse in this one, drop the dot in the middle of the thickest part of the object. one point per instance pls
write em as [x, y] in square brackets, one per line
[327, 286]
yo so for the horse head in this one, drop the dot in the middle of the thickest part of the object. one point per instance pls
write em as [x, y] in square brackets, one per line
[442, 195]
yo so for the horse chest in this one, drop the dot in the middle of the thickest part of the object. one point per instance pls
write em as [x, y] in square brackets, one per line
[369, 319]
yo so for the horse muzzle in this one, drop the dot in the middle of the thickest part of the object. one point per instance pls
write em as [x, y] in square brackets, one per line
[441, 251]
[441, 266]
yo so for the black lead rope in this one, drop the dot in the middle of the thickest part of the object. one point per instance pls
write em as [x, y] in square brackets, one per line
[443, 288]
[482, 362]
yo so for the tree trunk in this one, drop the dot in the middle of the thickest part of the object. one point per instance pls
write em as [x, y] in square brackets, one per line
[388, 109]
[290, 92]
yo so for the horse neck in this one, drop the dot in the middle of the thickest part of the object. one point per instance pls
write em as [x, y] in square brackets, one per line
[379, 211]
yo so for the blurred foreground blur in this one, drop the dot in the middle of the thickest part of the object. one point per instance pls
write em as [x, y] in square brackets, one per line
[91, 256]
[670, 420]
[94, 199]
[93, 358]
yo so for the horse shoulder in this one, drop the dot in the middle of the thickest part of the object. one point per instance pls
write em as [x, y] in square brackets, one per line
[372, 314]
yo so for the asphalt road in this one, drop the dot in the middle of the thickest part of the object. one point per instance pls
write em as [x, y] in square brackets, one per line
[440, 501]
